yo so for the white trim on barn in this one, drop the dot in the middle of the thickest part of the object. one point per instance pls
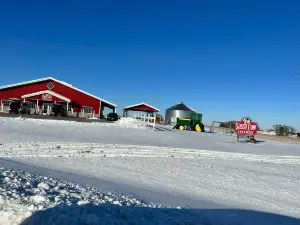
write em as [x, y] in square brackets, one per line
[14, 99]
[128, 107]
[100, 110]
[2, 107]
[47, 92]
[58, 81]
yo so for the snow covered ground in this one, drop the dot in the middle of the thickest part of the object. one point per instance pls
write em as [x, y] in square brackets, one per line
[272, 133]
[22, 194]
[18, 130]
[217, 180]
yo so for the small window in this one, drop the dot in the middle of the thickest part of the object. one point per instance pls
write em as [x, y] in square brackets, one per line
[6, 103]
[87, 109]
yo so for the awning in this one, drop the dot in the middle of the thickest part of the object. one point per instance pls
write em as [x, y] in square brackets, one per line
[47, 95]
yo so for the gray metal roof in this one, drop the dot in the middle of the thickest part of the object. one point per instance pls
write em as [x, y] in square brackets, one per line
[181, 106]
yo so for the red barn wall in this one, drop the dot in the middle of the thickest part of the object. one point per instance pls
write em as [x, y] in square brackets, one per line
[78, 99]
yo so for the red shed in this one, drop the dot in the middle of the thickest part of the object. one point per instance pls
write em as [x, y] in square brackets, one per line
[141, 107]
[42, 93]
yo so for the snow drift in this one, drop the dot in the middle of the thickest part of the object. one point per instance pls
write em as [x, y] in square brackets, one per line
[128, 122]
[272, 133]
[22, 194]
[123, 122]
[28, 199]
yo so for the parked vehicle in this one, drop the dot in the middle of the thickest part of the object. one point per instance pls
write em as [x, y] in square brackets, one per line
[193, 123]
[113, 117]
[19, 107]
[58, 109]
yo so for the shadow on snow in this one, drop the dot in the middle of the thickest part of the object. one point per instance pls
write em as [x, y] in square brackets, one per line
[90, 214]
[163, 129]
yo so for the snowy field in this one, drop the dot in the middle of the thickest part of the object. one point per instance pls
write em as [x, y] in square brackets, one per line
[125, 173]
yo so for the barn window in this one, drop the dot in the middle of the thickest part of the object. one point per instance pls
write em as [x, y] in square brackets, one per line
[70, 108]
[32, 105]
[87, 109]
[6, 103]
[50, 86]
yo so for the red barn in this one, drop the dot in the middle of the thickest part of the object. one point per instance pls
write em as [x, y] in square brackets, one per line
[42, 93]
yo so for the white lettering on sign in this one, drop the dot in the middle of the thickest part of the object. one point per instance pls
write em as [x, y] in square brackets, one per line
[245, 132]
[246, 127]
[241, 126]
[252, 127]
[47, 97]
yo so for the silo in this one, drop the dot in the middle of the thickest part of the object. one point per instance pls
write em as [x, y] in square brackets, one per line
[179, 110]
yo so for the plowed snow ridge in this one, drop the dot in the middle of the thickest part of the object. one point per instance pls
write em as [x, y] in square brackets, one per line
[62, 149]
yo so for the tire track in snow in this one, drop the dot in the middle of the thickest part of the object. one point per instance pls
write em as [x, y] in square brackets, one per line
[71, 149]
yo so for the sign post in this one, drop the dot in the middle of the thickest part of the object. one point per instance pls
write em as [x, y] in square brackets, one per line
[247, 128]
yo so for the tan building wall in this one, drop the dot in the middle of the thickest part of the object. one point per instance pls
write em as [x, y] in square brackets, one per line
[4, 109]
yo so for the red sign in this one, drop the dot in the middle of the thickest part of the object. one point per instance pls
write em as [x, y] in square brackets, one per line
[47, 97]
[246, 127]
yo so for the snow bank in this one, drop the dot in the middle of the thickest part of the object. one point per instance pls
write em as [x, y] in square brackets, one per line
[29, 199]
[24, 120]
[131, 123]
[23, 194]
[267, 132]
[293, 136]
[123, 122]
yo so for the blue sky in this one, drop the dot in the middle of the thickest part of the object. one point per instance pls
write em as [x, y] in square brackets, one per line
[226, 59]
